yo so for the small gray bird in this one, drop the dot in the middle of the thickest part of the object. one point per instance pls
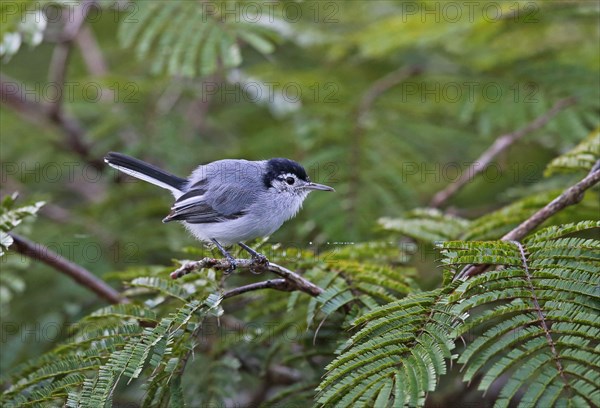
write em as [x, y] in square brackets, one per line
[229, 201]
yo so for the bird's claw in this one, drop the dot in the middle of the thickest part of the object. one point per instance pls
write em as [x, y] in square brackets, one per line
[261, 260]
[232, 266]
[259, 263]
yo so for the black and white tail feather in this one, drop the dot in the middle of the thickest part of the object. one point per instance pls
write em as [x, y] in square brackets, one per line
[147, 172]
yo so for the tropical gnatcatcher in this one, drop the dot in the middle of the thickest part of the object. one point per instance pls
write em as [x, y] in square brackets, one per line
[229, 201]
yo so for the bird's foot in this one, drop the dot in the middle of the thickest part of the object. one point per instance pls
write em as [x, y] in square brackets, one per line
[232, 265]
[260, 263]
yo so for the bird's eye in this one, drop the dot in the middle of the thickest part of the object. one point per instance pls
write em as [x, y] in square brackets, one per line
[290, 180]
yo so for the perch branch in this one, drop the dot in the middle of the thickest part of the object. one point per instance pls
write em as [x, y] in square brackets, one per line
[77, 273]
[293, 280]
[570, 196]
[501, 144]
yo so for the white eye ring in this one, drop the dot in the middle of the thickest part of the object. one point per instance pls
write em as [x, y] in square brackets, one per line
[290, 180]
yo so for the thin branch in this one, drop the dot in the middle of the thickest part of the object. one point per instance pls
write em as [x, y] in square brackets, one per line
[570, 196]
[57, 73]
[77, 273]
[501, 144]
[277, 284]
[365, 105]
[294, 280]
[12, 94]
[274, 374]
[190, 352]
[381, 86]
[91, 52]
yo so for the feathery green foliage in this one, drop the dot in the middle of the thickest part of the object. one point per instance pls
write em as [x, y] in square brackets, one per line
[110, 351]
[396, 357]
[388, 102]
[427, 224]
[10, 217]
[155, 347]
[581, 157]
[205, 39]
[536, 316]
[218, 378]
[11, 283]
[18, 29]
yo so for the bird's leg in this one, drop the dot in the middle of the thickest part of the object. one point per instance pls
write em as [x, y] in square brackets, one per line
[227, 255]
[256, 257]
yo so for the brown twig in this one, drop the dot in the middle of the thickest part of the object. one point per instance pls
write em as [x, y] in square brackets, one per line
[77, 273]
[272, 376]
[57, 73]
[91, 52]
[12, 94]
[277, 284]
[294, 280]
[365, 105]
[501, 144]
[570, 196]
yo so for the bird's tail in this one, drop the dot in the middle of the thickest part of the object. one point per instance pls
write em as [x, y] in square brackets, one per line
[145, 171]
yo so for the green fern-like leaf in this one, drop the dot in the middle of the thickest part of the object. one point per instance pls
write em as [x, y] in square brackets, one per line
[153, 347]
[427, 224]
[183, 38]
[537, 314]
[369, 284]
[396, 357]
[165, 287]
[25, 388]
[381, 282]
[10, 217]
[581, 158]
[110, 343]
[218, 379]
[48, 392]
[123, 311]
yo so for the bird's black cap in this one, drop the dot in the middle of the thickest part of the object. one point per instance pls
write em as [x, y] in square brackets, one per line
[279, 166]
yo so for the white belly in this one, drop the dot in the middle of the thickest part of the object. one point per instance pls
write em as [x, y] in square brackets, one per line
[233, 231]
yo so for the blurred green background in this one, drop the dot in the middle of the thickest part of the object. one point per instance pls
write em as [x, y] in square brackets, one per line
[387, 101]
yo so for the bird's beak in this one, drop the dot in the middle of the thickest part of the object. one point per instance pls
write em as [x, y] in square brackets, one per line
[317, 186]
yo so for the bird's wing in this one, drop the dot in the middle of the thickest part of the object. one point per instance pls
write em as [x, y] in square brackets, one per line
[213, 201]
[199, 212]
